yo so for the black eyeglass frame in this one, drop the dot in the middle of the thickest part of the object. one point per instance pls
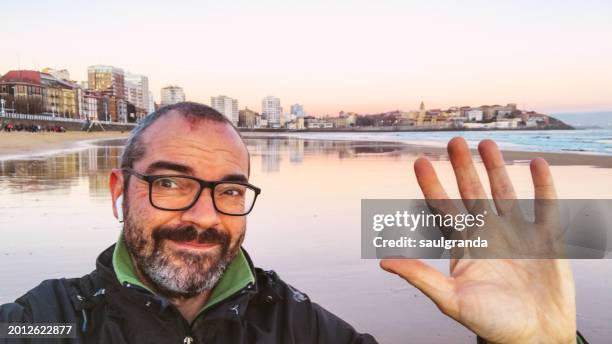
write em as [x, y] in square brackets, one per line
[203, 185]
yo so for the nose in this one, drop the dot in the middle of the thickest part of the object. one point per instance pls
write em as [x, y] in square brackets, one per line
[203, 212]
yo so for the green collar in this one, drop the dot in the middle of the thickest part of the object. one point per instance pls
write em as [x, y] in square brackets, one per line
[237, 275]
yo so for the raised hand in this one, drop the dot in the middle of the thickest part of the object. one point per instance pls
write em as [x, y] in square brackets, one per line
[501, 300]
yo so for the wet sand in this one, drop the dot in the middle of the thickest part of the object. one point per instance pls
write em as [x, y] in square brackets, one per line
[21, 144]
[18, 144]
[553, 159]
[55, 217]
[436, 148]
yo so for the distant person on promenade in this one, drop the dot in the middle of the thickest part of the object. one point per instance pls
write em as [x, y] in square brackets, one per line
[32, 128]
[178, 272]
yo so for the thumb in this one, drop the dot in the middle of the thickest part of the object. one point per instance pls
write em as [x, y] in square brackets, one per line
[430, 281]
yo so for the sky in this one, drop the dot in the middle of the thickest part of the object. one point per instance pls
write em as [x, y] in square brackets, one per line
[362, 56]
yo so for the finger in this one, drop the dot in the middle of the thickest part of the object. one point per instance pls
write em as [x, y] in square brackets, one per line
[430, 281]
[436, 197]
[501, 186]
[542, 179]
[546, 207]
[428, 180]
[468, 182]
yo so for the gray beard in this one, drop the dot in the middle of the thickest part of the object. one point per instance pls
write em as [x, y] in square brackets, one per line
[182, 275]
[185, 281]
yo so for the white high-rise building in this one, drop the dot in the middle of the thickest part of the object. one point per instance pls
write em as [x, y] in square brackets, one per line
[227, 106]
[172, 95]
[272, 111]
[151, 104]
[137, 92]
[297, 110]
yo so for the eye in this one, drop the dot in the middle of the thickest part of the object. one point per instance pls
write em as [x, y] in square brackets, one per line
[229, 190]
[232, 192]
[167, 183]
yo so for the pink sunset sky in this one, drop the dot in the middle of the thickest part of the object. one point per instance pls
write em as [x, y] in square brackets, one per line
[363, 56]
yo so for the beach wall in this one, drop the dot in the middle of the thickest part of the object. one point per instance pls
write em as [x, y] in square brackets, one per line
[68, 124]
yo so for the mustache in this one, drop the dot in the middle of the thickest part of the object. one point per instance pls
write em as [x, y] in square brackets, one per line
[191, 233]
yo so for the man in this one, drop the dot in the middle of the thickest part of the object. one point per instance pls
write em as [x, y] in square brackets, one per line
[178, 273]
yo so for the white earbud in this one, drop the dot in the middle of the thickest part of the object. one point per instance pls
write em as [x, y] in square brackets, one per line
[119, 207]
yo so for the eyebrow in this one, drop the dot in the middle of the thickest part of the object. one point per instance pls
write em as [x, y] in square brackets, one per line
[234, 178]
[167, 165]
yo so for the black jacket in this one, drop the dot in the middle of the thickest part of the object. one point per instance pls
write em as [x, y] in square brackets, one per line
[104, 311]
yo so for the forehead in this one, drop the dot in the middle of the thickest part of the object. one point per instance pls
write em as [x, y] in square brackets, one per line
[209, 148]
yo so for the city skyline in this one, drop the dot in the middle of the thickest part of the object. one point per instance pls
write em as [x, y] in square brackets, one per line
[365, 58]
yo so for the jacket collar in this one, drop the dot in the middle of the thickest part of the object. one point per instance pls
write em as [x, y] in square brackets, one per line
[238, 275]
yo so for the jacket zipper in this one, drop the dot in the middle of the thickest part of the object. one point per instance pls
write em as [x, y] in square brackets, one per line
[189, 327]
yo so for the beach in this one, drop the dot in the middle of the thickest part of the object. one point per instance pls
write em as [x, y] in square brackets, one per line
[584, 142]
[19, 144]
[438, 148]
[55, 218]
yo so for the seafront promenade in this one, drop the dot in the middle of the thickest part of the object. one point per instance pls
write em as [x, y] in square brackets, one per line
[70, 124]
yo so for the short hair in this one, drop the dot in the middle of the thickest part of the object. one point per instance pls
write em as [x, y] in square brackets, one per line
[135, 149]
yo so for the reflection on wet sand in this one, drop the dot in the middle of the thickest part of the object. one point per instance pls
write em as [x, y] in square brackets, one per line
[60, 171]
[272, 150]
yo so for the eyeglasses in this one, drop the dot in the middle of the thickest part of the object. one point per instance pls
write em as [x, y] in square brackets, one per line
[177, 193]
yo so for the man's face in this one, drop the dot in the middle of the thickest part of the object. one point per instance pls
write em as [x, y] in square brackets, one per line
[182, 253]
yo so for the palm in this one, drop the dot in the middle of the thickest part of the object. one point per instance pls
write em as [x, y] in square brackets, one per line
[510, 295]
[502, 300]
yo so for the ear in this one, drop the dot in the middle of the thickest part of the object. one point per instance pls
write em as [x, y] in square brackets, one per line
[116, 188]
